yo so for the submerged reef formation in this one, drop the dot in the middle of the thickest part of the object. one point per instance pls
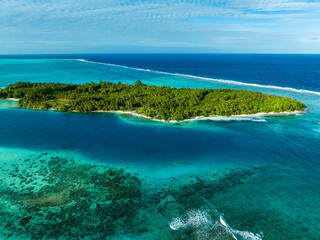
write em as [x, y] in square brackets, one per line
[195, 215]
[64, 199]
[55, 197]
[161, 103]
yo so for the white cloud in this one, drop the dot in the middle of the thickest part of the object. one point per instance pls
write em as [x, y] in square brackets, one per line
[157, 22]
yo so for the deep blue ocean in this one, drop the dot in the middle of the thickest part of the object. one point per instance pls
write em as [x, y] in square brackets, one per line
[280, 197]
[285, 70]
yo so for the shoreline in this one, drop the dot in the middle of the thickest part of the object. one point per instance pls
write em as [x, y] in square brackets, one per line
[269, 114]
[11, 99]
[134, 113]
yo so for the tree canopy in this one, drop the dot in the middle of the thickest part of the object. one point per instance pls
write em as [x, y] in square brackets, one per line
[164, 102]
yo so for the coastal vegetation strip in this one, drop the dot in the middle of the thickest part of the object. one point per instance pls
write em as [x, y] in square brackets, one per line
[163, 103]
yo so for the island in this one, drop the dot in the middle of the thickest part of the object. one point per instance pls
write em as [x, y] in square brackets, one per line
[162, 103]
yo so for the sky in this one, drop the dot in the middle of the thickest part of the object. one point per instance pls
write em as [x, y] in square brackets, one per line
[159, 26]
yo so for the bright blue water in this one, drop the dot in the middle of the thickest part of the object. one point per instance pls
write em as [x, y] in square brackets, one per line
[281, 201]
[298, 71]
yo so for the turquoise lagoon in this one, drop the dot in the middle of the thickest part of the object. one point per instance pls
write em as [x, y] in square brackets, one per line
[110, 176]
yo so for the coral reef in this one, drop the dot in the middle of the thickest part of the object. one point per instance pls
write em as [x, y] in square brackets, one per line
[48, 196]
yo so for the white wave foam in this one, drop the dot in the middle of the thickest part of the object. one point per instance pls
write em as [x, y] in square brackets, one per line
[236, 233]
[234, 119]
[248, 235]
[224, 223]
[201, 223]
[193, 218]
[207, 79]
[257, 117]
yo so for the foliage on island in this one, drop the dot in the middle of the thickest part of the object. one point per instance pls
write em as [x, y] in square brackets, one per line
[156, 102]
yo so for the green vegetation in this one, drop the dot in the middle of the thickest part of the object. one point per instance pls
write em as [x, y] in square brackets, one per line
[156, 102]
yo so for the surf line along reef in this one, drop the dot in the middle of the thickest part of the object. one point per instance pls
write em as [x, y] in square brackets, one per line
[153, 102]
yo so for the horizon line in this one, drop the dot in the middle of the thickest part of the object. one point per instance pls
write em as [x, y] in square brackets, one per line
[144, 53]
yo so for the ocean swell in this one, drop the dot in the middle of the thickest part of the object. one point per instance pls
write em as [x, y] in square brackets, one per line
[206, 78]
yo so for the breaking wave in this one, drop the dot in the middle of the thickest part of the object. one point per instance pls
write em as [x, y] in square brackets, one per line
[204, 227]
[252, 119]
[206, 78]
[193, 218]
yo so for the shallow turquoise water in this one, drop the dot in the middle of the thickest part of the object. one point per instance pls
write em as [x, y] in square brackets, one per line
[268, 169]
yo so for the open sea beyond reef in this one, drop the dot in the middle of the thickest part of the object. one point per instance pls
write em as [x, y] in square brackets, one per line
[110, 176]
